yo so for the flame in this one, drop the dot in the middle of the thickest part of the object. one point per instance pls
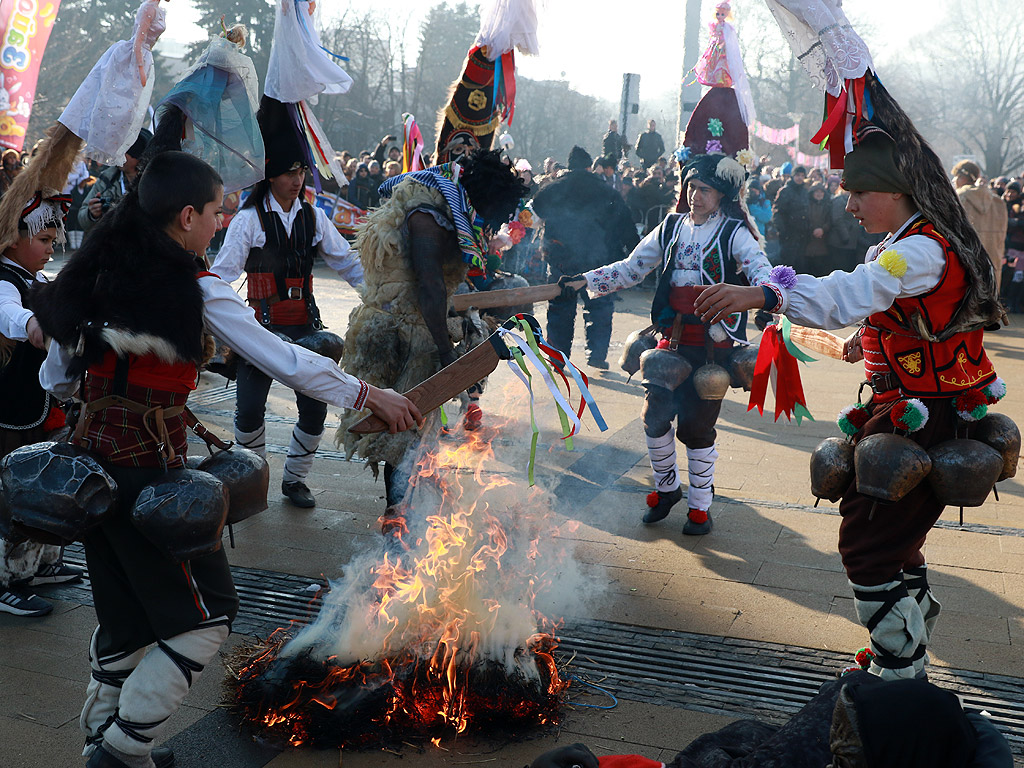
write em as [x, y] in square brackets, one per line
[444, 633]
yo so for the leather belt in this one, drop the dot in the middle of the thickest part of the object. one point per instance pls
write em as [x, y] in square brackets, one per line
[881, 383]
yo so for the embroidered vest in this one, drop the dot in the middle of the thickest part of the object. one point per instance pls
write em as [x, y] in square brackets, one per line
[715, 268]
[280, 273]
[23, 403]
[925, 368]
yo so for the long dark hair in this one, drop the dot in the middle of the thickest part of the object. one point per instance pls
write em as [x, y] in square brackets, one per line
[493, 186]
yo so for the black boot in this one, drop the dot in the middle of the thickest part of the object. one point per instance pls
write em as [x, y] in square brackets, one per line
[660, 503]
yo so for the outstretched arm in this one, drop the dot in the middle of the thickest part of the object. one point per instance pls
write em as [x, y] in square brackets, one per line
[145, 22]
[428, 243]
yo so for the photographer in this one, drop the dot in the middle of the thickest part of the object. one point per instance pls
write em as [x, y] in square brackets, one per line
[112, 184]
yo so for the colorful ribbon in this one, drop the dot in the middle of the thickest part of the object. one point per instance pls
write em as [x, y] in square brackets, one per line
[775, 362]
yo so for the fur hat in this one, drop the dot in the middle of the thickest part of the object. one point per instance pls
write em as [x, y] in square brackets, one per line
[285, 149]
[579, 159]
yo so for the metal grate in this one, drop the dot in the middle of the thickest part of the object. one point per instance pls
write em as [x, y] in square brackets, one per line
[720, 675]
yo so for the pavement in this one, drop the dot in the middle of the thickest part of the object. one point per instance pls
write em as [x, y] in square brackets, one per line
[768, 576]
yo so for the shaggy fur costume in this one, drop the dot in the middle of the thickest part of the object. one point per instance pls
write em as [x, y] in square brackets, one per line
[937, 200]
[388, 343]
[129, 288]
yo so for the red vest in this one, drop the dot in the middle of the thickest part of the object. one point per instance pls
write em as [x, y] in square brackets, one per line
[924, 368]
[120, 435]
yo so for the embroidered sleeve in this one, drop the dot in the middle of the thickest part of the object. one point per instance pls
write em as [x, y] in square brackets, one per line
[646, 257]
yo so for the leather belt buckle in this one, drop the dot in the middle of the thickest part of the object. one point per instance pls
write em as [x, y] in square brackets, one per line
[880, 383]
[295, 292]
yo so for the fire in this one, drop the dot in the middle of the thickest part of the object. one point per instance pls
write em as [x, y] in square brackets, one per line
[439, 634]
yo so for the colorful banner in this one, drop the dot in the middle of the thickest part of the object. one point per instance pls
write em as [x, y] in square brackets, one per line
[811, 161]
[26, 26]
[778, 136]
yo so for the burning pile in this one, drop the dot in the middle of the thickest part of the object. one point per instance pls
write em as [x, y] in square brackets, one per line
[439, 634]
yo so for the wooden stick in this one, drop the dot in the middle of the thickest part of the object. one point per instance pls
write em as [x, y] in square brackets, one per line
[443, 385]
[819, 341]
[508, 297]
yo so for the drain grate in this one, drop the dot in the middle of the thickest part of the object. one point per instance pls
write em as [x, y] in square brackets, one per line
[721, 675]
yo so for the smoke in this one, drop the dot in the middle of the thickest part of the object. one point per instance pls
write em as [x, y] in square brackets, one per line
[473, 559]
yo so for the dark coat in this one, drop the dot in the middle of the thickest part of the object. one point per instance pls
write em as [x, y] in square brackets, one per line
[649, 146]
[586, 223]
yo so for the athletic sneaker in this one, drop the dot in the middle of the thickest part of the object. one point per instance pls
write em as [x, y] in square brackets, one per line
[21, 603]
[57, 573]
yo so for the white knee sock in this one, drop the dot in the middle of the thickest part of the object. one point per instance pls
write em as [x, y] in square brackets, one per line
[255, 441]
[662, 453]
[897, 628]
[104, 691]
[155, 690]
[301, 452]
[700, 465]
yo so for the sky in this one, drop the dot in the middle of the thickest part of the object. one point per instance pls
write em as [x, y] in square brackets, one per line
[593, 48]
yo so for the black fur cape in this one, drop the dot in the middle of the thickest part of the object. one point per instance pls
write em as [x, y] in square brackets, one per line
[129, 288]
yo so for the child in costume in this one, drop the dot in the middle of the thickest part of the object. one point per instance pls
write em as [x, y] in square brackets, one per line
[924, 297]
[160, 621]
[27, 412]
[109, 107]
[218, 97]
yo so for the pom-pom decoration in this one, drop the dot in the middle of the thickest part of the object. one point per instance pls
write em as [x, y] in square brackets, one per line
[863, 657]
[663, 344]
[971, 405]
[745, 158]
[713, 146]
[731, 171]
[652, 499]
[782, 276]
[909, 415]
[516, 231]
[995, 391]
[853, 418]
[682, 154]
[893, 263]
[715, 127]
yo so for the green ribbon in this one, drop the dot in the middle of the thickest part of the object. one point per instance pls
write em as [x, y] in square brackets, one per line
[533, 419]
[532, 341]
[794, 350]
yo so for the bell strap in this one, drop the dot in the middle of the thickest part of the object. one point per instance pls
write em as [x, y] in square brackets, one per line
[211, 440]
[153, 419]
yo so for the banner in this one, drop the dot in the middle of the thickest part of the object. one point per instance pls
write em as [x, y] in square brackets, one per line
[778, 136]
[26, 26]
[811, 161]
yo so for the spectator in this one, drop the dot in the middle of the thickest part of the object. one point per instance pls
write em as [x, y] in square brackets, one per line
[649, 146]
[350, 168]
[819, 221]
[112, 184]
[759, 207]
[833, 184]
[651, 200]
[613, 145]
[843, 236]
[1014, 244]
[11, 168]
[376, 173]
[392, 168]
[816, 176]
[999, 185]
[772, 187]
[790, 217]
[604, 168]
[362, 191]
[387, 150]
[986, 212]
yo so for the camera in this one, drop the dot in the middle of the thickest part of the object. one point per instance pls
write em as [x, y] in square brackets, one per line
[104, 204]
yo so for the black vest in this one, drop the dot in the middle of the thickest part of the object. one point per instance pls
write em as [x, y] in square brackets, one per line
[288, 257]
[661, 313]
[23, 403]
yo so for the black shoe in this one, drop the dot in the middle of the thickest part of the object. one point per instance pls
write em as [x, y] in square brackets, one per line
[661, 503]
[56, 573]
[20, 602]
[163, 757]
[691, 528]
[601, 364]
[298, 494]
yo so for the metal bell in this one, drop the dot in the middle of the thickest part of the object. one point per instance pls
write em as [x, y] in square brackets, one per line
[832, 468]
[711, 381]
[55, 492]
[741, 367]
[183, 513]
[963, 472]
[637, 343]
[247, 477]
[324, 343]
[999, 431]
[889, 466]
[663, 368]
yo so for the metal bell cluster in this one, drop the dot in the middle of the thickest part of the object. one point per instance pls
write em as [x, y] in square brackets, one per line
[637, 343]
[960, 472]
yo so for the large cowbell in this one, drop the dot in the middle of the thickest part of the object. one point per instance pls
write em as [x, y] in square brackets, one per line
[183, 513]
[54, 492]
[245, 474]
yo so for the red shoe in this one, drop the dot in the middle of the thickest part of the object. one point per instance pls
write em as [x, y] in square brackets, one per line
[474, 418]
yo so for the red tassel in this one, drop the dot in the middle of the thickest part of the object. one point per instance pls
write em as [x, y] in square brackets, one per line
[698, 516]
[652, 499]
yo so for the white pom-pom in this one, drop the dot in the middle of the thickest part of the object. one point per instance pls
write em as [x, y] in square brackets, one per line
[731, 171]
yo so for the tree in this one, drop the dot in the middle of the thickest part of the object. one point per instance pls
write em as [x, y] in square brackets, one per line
[966, 88]
[550, 118]
[257, 15]
[83, 30]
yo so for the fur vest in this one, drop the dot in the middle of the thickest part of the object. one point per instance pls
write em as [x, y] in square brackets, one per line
[130, 289]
